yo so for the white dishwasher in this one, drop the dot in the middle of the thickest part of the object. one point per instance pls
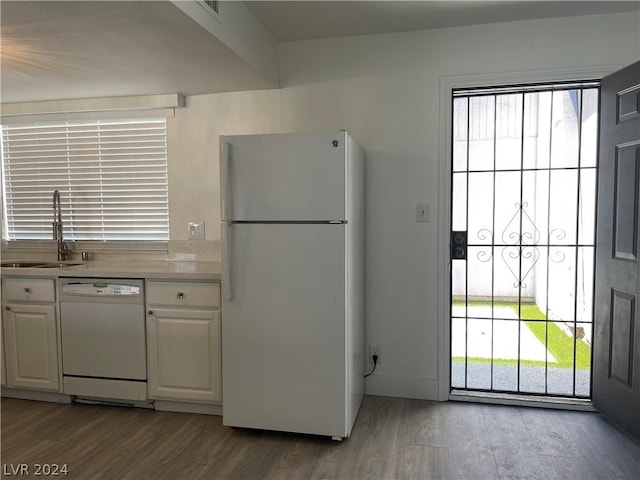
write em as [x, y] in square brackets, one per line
[104, 355]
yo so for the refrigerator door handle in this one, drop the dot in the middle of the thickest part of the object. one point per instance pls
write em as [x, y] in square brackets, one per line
[227, 262]
[225, 187]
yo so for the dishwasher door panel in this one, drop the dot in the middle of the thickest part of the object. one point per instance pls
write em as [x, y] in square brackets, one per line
[103, 340]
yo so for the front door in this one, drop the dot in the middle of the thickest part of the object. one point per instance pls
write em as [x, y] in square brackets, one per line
[523, 211]
[616, 360]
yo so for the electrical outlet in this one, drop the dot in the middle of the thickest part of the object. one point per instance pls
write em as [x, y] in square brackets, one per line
[196, 230]
[374, 351]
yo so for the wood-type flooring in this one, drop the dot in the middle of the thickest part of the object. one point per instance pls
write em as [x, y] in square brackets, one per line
[392, 439]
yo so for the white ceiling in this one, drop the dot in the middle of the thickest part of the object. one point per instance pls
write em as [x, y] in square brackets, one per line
[55, 50]
[304, 20]
[73, 49]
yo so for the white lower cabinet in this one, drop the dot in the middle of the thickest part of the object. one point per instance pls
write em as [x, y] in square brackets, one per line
[183, 341]
[31, 347]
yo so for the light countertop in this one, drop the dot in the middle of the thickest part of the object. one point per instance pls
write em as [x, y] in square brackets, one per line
[172, 270]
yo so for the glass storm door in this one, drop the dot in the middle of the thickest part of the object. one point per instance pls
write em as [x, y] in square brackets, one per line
[524, 173]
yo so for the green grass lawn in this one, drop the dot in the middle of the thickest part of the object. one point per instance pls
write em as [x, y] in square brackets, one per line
[559, 344]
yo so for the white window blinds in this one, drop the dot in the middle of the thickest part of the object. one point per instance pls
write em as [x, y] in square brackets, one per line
[111, 174]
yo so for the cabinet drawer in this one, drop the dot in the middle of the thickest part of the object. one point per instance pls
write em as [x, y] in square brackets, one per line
[183, 294]
[30, 289]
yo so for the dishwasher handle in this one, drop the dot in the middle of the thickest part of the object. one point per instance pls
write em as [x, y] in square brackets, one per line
[103, 290]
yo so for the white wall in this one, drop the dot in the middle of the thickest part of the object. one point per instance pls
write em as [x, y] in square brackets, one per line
[194, 177]
[385, 89]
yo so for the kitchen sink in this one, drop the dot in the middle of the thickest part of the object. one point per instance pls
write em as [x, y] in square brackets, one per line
[59, 264]
[10, 264]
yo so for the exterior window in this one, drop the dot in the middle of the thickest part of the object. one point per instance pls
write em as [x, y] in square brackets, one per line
[111, 174]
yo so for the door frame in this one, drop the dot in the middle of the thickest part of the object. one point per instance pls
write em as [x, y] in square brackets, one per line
[447, 85]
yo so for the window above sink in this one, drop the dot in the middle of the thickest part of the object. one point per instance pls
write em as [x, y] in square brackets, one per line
[111, 174]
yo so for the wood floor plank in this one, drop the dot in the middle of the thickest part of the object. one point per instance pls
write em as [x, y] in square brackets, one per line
[548, 433]
[425, 424]
[514, 463]
[252, 456]
[393, 439]
[378, 429]
[506, 426]
[603, 446]
[335, 459]
[297, 457]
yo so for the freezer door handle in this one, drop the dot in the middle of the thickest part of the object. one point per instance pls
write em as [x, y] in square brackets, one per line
[225, 187]
[227, 262]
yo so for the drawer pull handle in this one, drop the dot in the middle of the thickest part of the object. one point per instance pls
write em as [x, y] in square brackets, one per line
[27, 291]
[8, 309]
[180, 296]
[150, 313]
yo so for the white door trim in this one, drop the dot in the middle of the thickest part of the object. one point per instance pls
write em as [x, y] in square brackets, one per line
[447, 85]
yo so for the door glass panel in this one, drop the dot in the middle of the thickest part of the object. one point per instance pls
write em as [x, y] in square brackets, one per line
[587, 207]
[561, 348]
[535, 200]
[459, 288]
[458, 351]
[563, 197]
[481, 132]
[506, 351]
[565, 131]
[479, 347]
[481, 209]
[584, 284]
[460, 119]
[480, 271]
[584, 334]
[537, 130]
[507, 217]
[459, 218]
[508, 131]
[561, 283]
[533, 363]
[589, 133]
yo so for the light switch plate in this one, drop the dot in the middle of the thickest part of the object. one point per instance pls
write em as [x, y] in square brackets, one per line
[196, 230]
[422, 213]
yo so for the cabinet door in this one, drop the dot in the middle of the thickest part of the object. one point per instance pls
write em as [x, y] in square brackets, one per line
[31, 347]
[183, 348]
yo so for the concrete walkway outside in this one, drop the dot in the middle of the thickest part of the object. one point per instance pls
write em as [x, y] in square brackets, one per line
[504, 336]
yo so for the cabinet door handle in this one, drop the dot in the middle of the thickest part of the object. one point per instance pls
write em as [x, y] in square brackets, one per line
[8, 309]
[180, 296]
[150, 313]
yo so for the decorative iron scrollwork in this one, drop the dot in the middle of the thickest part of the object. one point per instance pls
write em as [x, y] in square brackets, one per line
[521, 230]
[485, 256]
[522, 237]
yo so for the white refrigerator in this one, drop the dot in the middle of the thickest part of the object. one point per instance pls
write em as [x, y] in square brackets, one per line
[292, 281]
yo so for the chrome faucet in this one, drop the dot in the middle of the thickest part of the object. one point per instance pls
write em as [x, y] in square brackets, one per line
[63, 251]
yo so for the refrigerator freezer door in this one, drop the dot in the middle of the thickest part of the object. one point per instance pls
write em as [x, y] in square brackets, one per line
[284, 331]
[288, 177]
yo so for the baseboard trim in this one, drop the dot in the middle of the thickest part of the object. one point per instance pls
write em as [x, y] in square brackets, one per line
[36, 395]
[420, 388]
[188, 407]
